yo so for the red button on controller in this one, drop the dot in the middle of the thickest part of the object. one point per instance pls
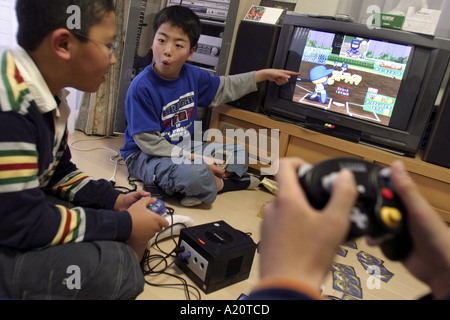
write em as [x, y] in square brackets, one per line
[387, 193]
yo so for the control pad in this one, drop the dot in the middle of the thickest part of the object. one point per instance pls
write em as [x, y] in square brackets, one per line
[158, 207]
[378, 212]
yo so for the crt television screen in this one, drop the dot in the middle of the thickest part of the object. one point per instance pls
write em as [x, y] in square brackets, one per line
[350, 75]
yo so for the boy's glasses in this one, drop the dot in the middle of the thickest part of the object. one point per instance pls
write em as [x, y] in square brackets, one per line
[111, 47]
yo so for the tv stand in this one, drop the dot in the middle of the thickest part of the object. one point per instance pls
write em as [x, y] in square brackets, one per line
[333, 130]
[315, 147]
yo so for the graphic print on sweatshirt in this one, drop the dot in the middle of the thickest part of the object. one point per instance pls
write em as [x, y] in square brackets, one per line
[177, 117]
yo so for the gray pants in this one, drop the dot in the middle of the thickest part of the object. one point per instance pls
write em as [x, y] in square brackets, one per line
[88, 271]
[188, 177]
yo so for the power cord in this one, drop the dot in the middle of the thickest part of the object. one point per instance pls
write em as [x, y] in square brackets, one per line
[115, 158]
[149, 259]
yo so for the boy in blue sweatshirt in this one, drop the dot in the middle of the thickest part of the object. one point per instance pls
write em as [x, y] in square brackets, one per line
[161, 111]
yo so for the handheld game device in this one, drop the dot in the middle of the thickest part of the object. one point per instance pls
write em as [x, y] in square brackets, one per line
[378, 211]
[158, 207]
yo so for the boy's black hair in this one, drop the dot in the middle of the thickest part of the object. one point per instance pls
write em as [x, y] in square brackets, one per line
[37, 18]
[180, 17]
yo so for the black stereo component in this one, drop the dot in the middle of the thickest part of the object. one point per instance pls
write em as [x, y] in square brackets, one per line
[254, 50]
[438, 147]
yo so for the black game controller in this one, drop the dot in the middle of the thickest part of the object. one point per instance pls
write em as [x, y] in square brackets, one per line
[378, 212]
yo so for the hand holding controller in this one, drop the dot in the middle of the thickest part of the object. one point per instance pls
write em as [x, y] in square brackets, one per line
[158, 207]
[378, 212]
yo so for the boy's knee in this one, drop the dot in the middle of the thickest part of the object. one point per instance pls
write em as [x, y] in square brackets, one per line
[193, 179]
[196, 173]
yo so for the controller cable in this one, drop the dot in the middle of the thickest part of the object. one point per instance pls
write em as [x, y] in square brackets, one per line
[157, 264]
[148, 259]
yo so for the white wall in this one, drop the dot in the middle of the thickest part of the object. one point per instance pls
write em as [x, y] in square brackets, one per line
[8, 24]
[322, 7]
[74, 102]
[8, 32]
[357, 9]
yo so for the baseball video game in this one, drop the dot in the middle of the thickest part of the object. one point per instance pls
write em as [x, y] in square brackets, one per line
[350, 75]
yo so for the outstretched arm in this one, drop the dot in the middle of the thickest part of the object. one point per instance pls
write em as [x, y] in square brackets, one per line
[280, 77]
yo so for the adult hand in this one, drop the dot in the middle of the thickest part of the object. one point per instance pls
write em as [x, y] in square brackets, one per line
[429, 260]
[299, 242]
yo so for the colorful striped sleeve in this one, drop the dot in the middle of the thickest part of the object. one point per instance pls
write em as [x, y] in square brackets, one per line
[28, 220]
[72, 227]
[71, 184]
[68, 187]
[19, 189]
[18, 166]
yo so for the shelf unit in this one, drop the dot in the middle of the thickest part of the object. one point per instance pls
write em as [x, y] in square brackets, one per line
[314, 147]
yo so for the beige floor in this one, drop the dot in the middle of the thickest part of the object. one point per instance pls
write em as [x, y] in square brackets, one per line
[240, 210]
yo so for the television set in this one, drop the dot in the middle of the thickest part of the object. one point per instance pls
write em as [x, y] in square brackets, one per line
[371, 86]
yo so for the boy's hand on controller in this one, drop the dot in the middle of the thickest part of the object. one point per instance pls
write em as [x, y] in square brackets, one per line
[145, 223]
[124, 201]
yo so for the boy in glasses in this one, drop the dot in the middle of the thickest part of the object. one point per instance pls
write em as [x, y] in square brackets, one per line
[63, 235]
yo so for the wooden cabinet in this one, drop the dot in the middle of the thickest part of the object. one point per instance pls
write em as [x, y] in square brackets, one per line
[293, 141]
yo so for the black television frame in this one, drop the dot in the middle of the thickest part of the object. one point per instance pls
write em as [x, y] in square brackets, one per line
[404, 141]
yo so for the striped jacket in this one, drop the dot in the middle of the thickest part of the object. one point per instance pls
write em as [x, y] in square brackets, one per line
[35, 160]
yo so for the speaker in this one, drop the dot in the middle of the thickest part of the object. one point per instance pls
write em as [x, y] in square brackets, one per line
[437, 150]
[254, 49]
